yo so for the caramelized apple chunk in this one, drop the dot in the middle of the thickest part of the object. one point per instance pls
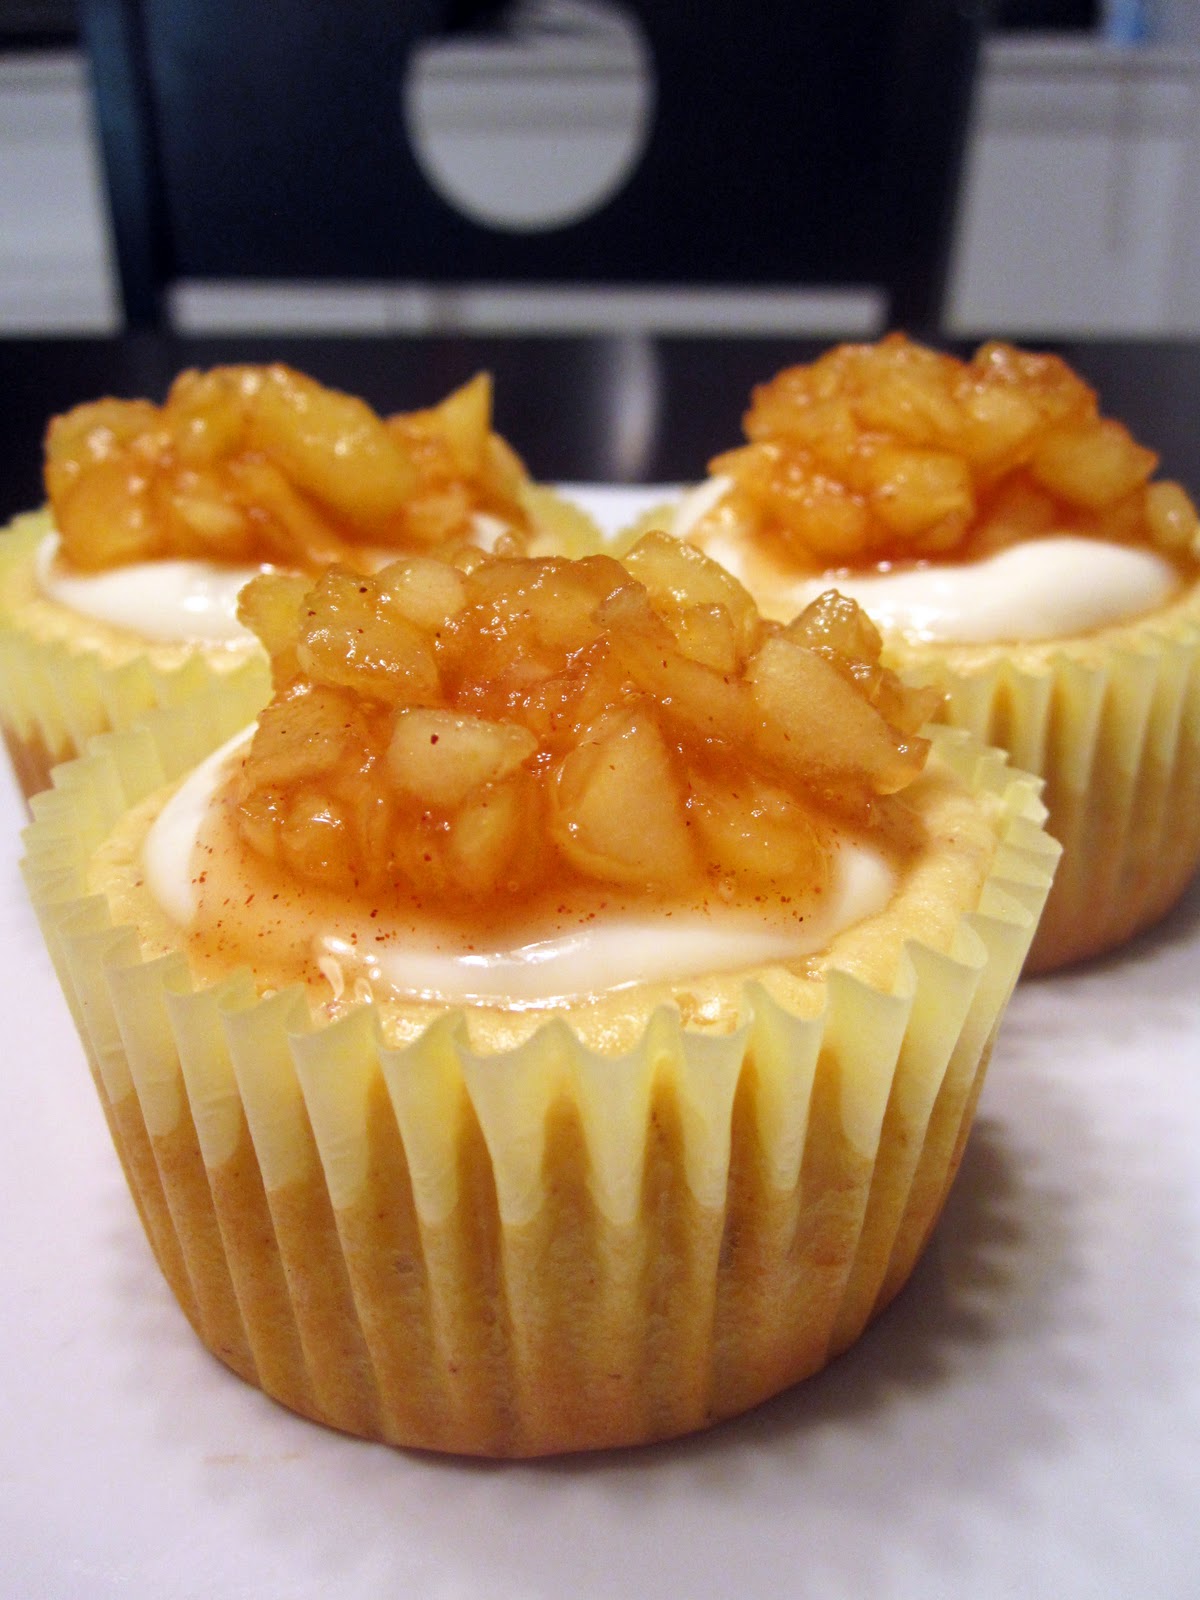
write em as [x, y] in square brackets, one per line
[353, 636]
[892, 451]
[441, 757]
[841, 632]
[617, 812]
[263, 464]
[500, 727]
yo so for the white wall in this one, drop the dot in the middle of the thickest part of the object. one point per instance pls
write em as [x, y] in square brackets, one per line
[1081, 199]
[54, 262]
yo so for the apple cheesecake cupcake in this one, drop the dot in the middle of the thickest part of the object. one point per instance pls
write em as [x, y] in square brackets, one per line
[557, 1022]
[122, 594]
[1017, 553]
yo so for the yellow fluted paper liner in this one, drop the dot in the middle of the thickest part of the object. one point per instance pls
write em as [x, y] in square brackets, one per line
[1112, 722]
[547, 1246]
[62, 681]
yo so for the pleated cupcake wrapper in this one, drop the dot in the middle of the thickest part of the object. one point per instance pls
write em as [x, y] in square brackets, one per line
[547, 1247]
[1113, 725]
[55, 697]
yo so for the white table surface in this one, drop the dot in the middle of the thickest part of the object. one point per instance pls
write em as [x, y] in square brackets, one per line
[1024, 1421]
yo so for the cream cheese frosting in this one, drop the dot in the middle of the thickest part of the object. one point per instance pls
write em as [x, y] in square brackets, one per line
[1043, 588]
[181, 602]
[607, 953]
[169, 602]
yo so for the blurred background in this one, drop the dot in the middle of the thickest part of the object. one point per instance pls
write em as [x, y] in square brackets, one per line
[1074, 197]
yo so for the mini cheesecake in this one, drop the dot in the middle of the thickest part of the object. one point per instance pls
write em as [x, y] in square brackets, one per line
[557, 1022]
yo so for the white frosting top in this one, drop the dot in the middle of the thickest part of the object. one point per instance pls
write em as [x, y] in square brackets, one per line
[615, 953]
[182, 602]
[1044, 588]
[169, 602]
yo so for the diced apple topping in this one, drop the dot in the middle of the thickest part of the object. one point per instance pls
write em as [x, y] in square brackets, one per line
[892, 451]
[845, 740]
[441, 757]
[616, 811]
[262, 464]
[501, 727]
